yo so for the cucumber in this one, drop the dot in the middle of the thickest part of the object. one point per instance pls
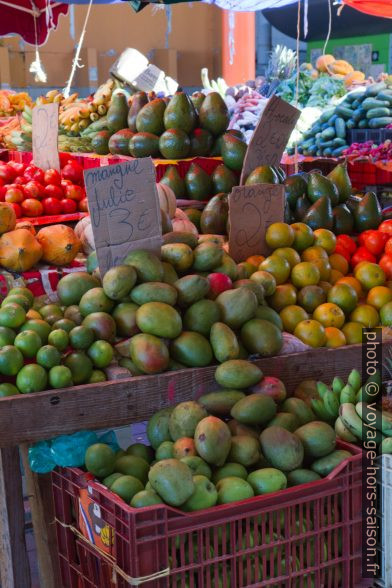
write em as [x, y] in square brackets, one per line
[328, 133]
[312, 150]
[316, 128]
[355, 95]
[327, 152]
[325, 144]
[363, 124]
[98, 125]
[318, 153]
[331, 121]
[355, 104]
[326, 115]
[299, 149]
[359, 113]
[340, 128]
[344, 111]
[378, 112]
[385, 96]
[374, 89]
[338, 142]
[380, 122]
[339, 150]
[350, 123]
[324, 126]
[370, 103]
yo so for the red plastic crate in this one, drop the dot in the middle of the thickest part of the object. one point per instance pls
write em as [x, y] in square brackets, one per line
[307, 536]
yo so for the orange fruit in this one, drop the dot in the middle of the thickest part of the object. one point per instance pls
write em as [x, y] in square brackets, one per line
[386, 315]
[292, 315]
[310, 297]
[379, 296]
[329, 315]
[28, 343]
[353, 332]
[279, 267]
[279, 235]
[324, 268]
[325, 239]
[101, 353]
[11, 360]
[284, 295]
[303, 236]
[338, 262]
[314, 252]
[305, 274]
[266, 279]
[369, 275]
[246, 269]
[311, 333]
[31, 378]
[335, 337]
[33, 314]
[288, 253]
[326, 286]
[366, 315]
[255, 260]
[344, 296]
[335, 275]
[351, 281]
[12, 315]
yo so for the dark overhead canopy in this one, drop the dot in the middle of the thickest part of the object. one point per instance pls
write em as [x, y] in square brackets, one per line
[350, 23]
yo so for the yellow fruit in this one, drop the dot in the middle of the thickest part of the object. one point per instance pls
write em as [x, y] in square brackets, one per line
[329, 315]
[353, 282]
[353, 332]
[291, 316]
[325, 239]
[323, 62]
[324, 268]
[255, 260]
[284, 295]
[304, 237]
[279, 267]
[279, 235]
[378, 296]
[335, 337]
[369, 275]
[338, 262]
[311, 333]
[314, 252]
[288, 253]
[366, 315]
[335, 275]
[344, 296]
[305, 274]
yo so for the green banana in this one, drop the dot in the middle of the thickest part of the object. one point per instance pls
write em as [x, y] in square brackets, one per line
[386, 445]
[331, 404]
[361, 395]
[322, 389]
[319, 409]
[337, 385]
[350, 419]
[354, 379]
[382, 420]
[347, 394]
[343, 432]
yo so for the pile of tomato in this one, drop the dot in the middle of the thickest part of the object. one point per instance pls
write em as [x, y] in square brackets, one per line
[372, 245]
[33, 192]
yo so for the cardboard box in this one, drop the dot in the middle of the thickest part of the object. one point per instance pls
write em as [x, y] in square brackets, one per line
[166, 59]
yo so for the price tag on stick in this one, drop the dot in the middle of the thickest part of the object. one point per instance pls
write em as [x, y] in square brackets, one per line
[251, 210]
[45, 135]
[270, 137]
[124, 210]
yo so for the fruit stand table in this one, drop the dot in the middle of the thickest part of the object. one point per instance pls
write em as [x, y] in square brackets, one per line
[26, 419]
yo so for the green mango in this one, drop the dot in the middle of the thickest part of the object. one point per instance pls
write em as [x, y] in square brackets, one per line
[117, 113]
[150, 118]
[180, 113]
[319, 215]
[215, 214]
[343, 220]
[174, 144]
[173, 179]
[172, 480]
[139, 100]
[301, 208]
[201, 142]
[223, 179]
[213, 114]
[198, 183]
[144, 145]
[319, 187]
[367, 214]
[339, 176]
[264, 174]
[233, 151]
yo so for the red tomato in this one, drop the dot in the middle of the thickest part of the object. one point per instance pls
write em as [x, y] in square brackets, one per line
[65, 183]
[3, 190]
[83, 205]
[33, 189]
[7, 173]
[342, 251]
[33, 172]
[74, 192]
[20, 180]
[361, 237]
[388, 245]
[14, 195]
[17, 186]
[374, 242]
[32, 207]
[347, 242]
[52, 176]
[73, 171]
[64, 159]
[18, 167]
[52, 206]
[68, 206]
[386, 264]
[386, 227]
[362, 254]
[17, 209]
[52, 191]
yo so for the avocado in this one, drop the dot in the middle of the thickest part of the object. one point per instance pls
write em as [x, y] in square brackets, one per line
[264, 174]
[201, 142]
[301, 207]
[180, 113]
[223, 179]
[198, 183]
[138, 101]
[100, 142]
[119, 142]
[144, 145]
[194, 216]
[343, 220]
[150, 118]
[367, 215]
[319, 215]
[197, 100]
[294, 187]
[117, 113]
[174, 144]
[173, 179]
[233, 151]
[213, 114]
[319, 186]
[236, 133]
[214, 216]
[339, 176]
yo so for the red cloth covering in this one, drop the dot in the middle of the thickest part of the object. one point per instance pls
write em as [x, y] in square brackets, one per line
[18, 18]
[381, 8]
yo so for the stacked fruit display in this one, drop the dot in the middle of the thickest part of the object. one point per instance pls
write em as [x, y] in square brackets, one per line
[243, 440]
[31, 192]
[12, 103]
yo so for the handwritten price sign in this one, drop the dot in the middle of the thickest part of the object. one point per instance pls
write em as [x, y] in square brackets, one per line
[251, 210]
[45, 134]
[271, 135]
[124, 210]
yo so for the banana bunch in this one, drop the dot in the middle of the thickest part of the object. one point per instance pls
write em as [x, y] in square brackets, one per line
[75, 144]
[50, 97]
[326, 406]
[76, 114]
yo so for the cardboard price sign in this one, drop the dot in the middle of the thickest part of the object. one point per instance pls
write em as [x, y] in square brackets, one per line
[251, 210]
[45, 135]
[270, 136]
[124, 210]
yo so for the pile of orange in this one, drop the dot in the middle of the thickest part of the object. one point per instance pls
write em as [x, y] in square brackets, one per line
[310, 287]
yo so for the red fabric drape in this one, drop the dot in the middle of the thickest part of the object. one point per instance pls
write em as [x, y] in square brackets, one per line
[381, 8]
[21, 22]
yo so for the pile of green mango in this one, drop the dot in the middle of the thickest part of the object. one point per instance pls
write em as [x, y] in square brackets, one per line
[242, 440]
[176, 128]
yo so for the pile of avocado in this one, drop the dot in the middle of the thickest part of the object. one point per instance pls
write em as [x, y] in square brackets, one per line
[174, 128]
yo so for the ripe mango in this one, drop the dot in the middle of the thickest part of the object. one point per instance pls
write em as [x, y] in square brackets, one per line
[172, 480]
[213, 440]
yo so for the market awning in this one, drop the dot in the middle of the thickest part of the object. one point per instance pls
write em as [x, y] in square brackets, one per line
[31, 20]
[381, 8]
